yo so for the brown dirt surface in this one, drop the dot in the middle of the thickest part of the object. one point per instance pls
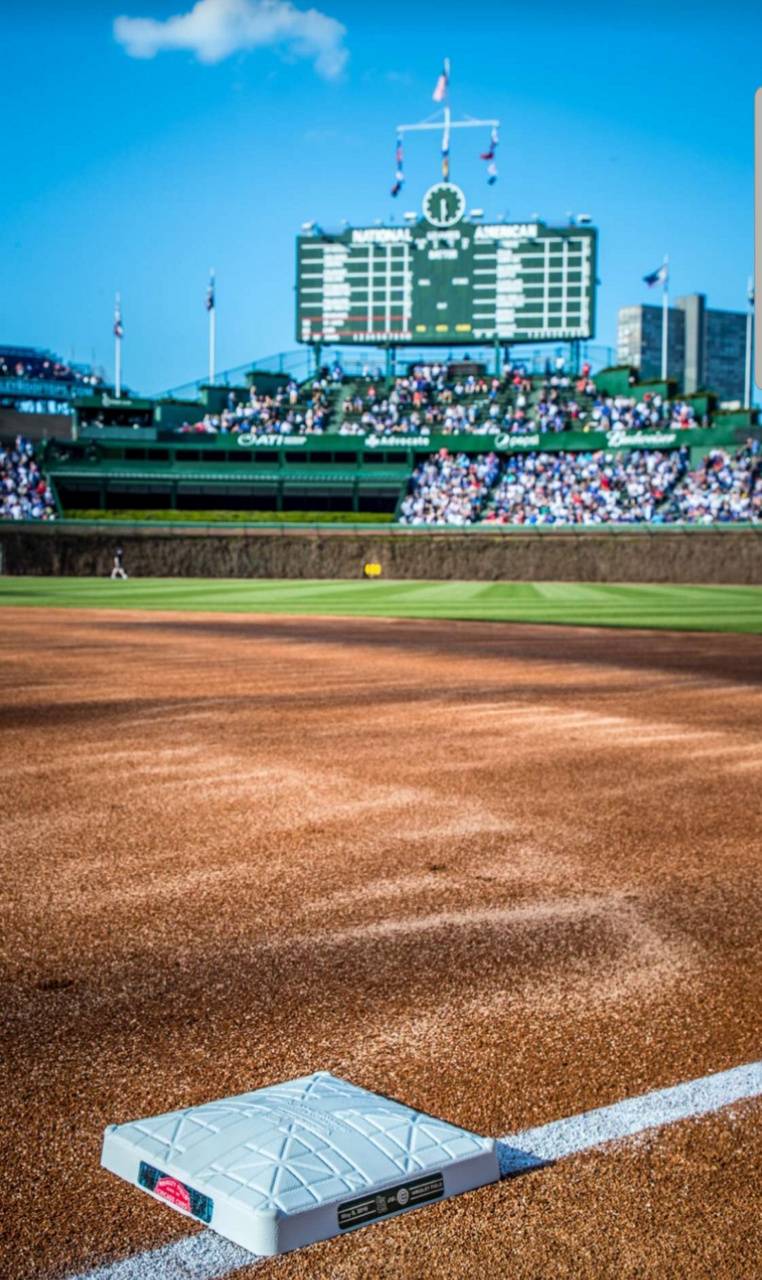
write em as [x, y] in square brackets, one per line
[504, 873]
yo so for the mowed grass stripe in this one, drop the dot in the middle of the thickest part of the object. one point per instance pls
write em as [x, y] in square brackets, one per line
[682, 608]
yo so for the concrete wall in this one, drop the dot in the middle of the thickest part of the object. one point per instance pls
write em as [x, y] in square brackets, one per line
[723, 555]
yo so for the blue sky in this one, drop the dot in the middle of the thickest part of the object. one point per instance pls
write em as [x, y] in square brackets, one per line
[139, 173]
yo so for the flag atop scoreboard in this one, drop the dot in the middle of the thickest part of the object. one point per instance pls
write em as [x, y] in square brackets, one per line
[447, 279]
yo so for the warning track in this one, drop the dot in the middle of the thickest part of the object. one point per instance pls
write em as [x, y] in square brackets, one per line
[505, 874]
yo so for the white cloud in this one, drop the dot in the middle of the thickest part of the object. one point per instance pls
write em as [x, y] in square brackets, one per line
[214, 29]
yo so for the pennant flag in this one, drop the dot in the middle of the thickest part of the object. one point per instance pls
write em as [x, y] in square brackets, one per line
[118, 326]
[446, 151]
[660, 276]
[210, 293]
[489, 154]
[399, 176]
[443, 83]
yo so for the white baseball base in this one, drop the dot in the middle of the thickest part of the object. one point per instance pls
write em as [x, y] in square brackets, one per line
[284, 1166]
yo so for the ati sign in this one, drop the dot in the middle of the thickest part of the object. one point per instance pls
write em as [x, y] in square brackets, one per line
[247, 440]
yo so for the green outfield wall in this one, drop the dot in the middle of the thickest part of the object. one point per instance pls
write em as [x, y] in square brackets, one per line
[725, 554]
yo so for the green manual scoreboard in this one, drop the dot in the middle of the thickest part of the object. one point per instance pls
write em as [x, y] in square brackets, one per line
[447, 279]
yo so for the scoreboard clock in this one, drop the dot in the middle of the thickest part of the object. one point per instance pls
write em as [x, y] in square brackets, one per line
[444, 204]
[447, 280]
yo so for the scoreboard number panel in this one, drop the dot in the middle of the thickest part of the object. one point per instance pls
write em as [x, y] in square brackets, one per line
[447, 280]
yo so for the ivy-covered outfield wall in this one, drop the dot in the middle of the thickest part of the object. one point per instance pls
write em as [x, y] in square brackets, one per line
[726, 554]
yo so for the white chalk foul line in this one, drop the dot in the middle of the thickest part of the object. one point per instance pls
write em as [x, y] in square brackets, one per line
[550, 1142]
[206, 1256]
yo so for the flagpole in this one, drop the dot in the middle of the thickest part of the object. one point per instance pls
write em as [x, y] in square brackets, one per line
[748, 396]
[212, 332]
[447, 116]
[118, 348]
[665, 323]
[446, 145]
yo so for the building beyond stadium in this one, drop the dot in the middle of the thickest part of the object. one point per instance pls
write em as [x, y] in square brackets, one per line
[707, 347]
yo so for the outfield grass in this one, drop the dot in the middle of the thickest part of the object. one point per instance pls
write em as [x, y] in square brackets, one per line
[682, 608]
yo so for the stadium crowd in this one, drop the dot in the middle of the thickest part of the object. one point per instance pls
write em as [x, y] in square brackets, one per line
[281, 413]
[421, 401]
[449, 489]
[589, 488]
[585, 488]
[724, 489]
[24, 492]
[428, 399]
[653, 412]
[444, 400]
[23, 362]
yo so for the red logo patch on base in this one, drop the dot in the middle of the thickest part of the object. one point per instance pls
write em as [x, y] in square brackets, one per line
[174, 1193]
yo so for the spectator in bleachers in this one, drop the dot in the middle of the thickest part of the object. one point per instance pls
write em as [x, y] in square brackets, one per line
[449, 489]
[652, 412]
[601, 487]
[723, 490]
[16, 362]
[427, 399]
[24, 491]
[284, 412]
[584, 488]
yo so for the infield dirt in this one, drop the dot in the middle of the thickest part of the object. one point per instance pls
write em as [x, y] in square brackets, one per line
[503, 873]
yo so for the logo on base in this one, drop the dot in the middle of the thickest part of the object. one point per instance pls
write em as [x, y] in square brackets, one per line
[175, 1193]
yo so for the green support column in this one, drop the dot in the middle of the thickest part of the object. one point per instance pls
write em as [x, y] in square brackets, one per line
[390, 363]
[498, 369]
